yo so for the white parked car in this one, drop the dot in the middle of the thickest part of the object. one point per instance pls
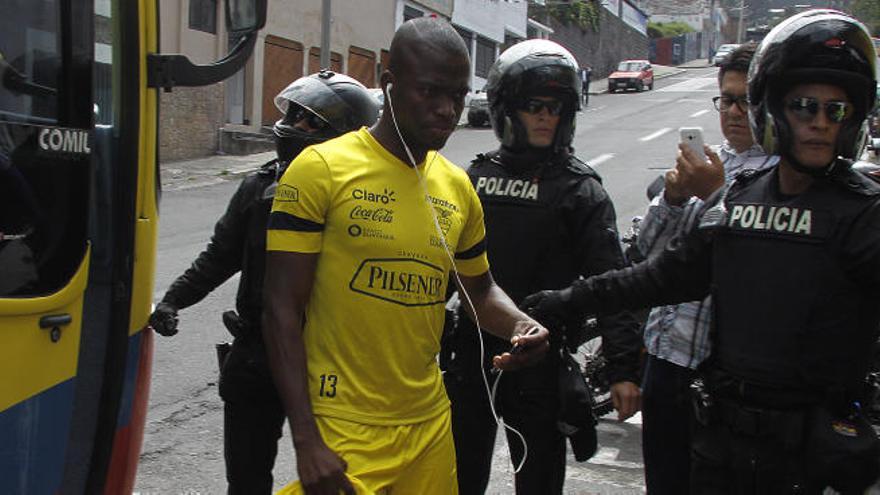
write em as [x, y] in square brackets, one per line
[722, 52]
[478, 109]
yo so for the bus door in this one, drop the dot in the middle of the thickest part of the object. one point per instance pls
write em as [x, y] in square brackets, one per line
[45, 160]
[79, 84]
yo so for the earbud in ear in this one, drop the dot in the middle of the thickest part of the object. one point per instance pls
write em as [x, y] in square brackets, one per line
[388, 89]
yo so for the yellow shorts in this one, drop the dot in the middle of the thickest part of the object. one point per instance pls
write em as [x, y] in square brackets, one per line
[408, 459]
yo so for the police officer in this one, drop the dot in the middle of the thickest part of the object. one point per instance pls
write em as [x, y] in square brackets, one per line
[316, 108]
[791, 256]
[548, 221]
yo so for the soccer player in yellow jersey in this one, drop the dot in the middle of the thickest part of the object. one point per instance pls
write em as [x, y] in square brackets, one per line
[360, 246]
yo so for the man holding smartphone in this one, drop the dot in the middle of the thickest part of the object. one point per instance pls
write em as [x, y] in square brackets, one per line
[791, 256]
[677, 335]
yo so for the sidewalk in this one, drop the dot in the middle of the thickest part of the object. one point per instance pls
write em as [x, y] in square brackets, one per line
[201, 172]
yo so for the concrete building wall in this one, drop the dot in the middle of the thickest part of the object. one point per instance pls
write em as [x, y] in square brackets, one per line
[441, 7]
[192, 119]
[501, 22]
[603, 49]
[189, 118]
[491, 18]
[299, 21]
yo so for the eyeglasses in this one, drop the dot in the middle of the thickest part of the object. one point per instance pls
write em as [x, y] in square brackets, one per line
[806, 108]
[534, 106]
[724, 103]
[315, 122]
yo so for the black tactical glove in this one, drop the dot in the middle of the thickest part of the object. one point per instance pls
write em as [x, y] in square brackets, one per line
[549, 305]
[164, 319]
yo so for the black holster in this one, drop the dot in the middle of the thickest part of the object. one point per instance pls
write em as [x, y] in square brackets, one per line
[237, 327]
[576, 420]
[222, 349]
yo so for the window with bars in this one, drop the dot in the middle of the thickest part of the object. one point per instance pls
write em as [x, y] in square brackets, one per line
[485, 56]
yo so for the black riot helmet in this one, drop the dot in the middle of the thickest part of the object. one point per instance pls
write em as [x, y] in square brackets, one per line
[340, 103]
[816, 46]
[532, 68]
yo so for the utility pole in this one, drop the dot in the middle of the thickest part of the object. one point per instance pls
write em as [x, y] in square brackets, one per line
[325, 34]
[711, 28]
[739, 31]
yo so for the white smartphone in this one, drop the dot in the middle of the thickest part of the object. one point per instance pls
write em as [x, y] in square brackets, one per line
[693, 137]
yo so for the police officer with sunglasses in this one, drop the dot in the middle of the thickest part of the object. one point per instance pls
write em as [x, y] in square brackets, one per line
[315, 108]
[791, 257]
[548, 222]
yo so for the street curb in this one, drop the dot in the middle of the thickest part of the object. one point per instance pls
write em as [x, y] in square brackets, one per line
[662, 76]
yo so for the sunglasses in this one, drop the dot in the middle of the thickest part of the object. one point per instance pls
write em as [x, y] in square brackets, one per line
[724, 103]
[806, 108]
[315, 122]
[534, 106]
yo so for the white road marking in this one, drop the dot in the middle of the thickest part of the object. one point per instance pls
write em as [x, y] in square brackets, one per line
[596, 161]
[697, 114]
[697, 84]
[594, 109]
[655, 135]
[607, 456]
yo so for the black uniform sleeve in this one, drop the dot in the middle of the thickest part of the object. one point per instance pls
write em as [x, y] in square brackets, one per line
[222, 257]
[681, 272]
[862, 250]
[593, 223]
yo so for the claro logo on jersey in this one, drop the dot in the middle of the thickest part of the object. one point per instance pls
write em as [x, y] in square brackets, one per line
[59, 140]
[385, 197]
[780, 219]
[514, 188]
[403, 281]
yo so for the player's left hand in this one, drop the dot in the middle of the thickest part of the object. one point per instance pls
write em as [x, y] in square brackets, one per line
[530, 342]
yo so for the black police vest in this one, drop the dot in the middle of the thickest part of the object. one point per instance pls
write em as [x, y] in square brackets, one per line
[788, 314]
[530, 242]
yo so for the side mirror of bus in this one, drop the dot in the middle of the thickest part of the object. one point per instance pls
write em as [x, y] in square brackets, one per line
[244, 18]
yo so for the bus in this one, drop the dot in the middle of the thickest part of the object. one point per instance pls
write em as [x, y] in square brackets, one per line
[80, 82]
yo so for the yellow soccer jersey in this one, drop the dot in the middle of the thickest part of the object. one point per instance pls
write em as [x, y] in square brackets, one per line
[375, 316]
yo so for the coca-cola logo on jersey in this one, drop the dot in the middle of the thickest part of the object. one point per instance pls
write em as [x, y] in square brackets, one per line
[383, 215]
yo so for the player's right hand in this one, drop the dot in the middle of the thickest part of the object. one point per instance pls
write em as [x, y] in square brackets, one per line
[322, 472]
[164, 319]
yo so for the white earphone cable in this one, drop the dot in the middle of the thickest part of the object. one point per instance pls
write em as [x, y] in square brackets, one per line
[489, 392]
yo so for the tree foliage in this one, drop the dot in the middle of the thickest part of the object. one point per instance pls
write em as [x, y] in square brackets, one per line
[668, 29]
[581, 13]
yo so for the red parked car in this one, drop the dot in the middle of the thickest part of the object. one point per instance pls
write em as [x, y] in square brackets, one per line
[636, 74]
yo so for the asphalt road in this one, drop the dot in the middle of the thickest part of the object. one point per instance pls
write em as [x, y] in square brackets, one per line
[629, 138]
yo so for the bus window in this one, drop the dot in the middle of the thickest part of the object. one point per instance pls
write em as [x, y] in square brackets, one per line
[30, 64]
[43, 170]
